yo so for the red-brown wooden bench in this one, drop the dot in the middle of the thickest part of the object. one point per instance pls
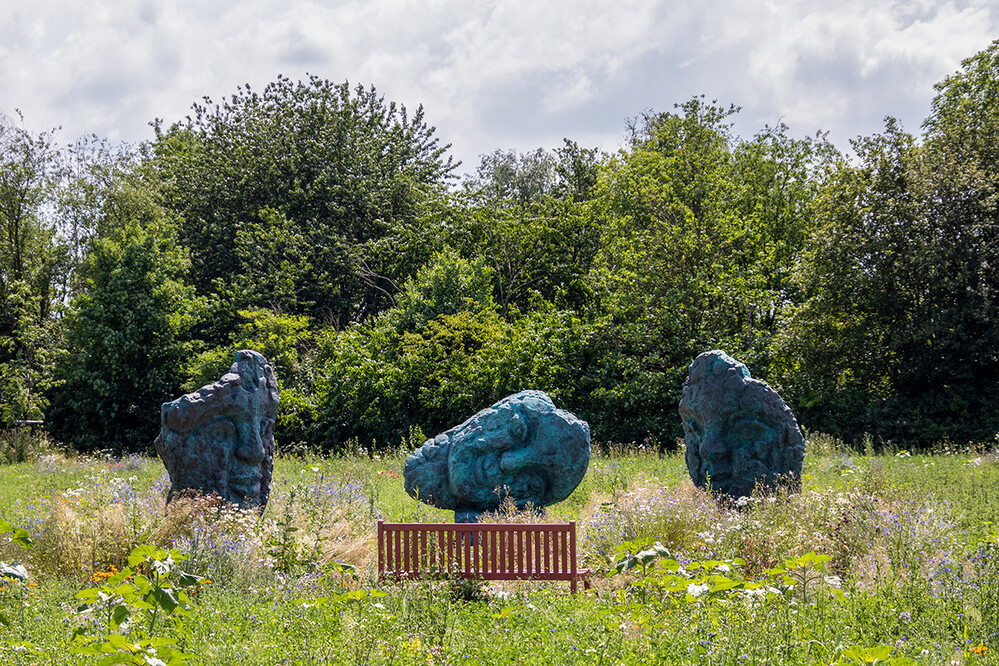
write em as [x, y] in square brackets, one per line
[487, 551]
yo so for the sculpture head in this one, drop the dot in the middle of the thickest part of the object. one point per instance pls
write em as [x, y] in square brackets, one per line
[738, 432]
[522, 448]
[220, 439]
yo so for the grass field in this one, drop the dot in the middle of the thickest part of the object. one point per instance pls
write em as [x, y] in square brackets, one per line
[888, 559]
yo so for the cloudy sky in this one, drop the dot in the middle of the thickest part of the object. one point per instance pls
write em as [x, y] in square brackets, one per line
[493, 73]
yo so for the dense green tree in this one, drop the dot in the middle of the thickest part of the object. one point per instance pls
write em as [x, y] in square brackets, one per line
[288, 195]
[125, 341]
[32, 264]
[577, 170]
[700, 232]
[441, 355]
[103, 187]
[526, 215]
[538, 253]
[506, 177]
[836, 357]
[899, 332]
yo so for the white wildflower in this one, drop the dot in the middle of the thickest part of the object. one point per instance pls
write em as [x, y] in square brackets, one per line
[696, 590]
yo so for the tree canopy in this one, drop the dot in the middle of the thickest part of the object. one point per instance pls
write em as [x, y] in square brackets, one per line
[323, 225]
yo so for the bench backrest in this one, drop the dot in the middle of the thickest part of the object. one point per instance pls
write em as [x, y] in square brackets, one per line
[497, 551]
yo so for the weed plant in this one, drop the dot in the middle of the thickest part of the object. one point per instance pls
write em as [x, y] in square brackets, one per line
[888, 558]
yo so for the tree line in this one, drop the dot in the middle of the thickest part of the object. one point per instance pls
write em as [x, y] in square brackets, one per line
[328, 229]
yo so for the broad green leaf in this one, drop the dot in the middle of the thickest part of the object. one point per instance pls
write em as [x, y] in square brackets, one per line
[13, 571]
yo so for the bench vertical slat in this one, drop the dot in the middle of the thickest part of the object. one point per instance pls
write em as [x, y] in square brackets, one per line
[453, 557]
[510, 562]
[520, 552]
[421, 550]
[529, 555]
[487, 561]
[396, 550]
[389, 562]
[542, 552]
[406, 564]
[439, 552]
[564, 537]
[400, 553]
[414, 551]
[475, 541]
[480, 551]
[556, 551]
[484, 542]
[488, 543]
[466, 540]
[548, 551]
[572, 555]
[536, 563]
[384, 548]
[497, 552]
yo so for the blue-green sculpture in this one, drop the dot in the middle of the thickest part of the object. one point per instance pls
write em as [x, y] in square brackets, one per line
[739, 433]
[522, 448]
[220, 439]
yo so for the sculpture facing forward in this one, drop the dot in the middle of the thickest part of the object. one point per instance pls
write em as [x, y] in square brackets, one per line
[522, 448]
[738, 432]
[220, 439]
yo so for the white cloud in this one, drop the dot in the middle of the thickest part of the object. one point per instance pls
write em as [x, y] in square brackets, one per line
[498, 73]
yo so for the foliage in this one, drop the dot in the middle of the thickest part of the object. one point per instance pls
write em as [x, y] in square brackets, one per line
[136, 608]
[282, 339]
[700, 233]
[125, 338]
[440, 356]
[897, 330]
[287, 194]
[32, 266]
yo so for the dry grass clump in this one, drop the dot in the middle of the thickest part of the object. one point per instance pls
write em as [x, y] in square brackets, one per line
[865, 527]
[334, 518]
[681, 517]
[94, 526]
[77, 539]
[509, 513]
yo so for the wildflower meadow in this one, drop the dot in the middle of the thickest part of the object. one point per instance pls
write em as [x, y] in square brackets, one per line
[887, 558]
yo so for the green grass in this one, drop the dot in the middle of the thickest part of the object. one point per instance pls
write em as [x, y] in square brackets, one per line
[906, 570]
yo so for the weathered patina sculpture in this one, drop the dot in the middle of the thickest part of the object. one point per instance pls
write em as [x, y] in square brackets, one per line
[738, 432]
[522, 448]
[220, 439]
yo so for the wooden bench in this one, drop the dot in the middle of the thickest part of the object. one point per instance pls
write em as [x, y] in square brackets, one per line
[487, 551]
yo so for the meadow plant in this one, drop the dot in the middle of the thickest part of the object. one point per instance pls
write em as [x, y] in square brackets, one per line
[331, 518]
[95, 524]
[682, 518]
[24, 445]
[819, 444]
[891, 558]
[221, 541]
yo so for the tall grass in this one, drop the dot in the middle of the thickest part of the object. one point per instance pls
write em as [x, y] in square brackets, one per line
[911, 544]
